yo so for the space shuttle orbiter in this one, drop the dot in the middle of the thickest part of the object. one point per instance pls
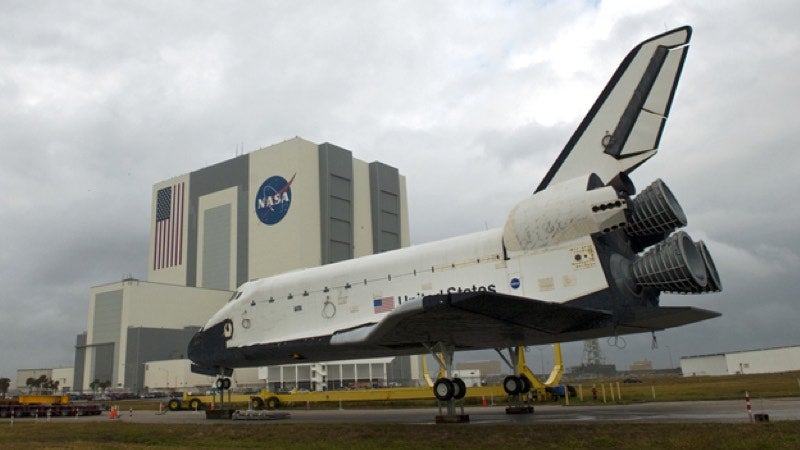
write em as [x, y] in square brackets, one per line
[584, 257]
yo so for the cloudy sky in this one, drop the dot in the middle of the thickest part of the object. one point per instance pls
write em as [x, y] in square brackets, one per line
[472, 101]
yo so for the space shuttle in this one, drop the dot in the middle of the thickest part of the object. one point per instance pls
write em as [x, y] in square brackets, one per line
[586, 256]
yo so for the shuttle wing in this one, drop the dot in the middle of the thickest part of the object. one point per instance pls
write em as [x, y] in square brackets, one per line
[623, 128]
[489, 319]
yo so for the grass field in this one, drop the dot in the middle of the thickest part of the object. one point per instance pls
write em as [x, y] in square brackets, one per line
[380, 436]
[677, 388]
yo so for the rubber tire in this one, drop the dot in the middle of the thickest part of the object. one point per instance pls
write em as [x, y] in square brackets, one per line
[257, 402]
[526, 384]
[512, 385]
[223, 383]
[273, 403]
[460, 388]
[195, 404]
[174, 405]
[443, 389]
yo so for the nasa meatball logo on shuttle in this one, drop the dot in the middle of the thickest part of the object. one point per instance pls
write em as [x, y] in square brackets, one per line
[273, 199]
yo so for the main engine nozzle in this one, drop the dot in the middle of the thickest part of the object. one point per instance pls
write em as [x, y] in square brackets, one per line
[654, 213]
[674, 265]
[714, 284]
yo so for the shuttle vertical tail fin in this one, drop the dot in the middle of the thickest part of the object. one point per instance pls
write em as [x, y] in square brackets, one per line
[623, 128]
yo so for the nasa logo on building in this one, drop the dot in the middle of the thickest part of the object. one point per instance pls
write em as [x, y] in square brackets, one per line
[273, 199]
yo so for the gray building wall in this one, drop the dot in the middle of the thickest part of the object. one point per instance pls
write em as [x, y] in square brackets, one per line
[234, 172]
[217, 247]
[153, 344]
[107, 316]
[103, 362]
[399, 371]
[336, 203]
[105, 334]
[384, 183]
[80, 360]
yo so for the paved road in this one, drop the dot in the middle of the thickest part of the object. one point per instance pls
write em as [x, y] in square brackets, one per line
[706, 411]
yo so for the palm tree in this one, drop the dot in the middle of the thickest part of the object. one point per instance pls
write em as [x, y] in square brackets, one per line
[40, 382]
[50, 385]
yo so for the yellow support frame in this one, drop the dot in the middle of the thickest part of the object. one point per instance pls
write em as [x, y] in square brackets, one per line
[554, 379]
[388, 394]
[555, 374]
[441, 374]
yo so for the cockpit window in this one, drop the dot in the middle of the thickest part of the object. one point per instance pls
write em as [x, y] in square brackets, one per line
[235, 296]
[227, 329]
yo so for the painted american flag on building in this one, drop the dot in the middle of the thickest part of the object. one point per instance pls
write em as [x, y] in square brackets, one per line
[382, 305]
[168, 245]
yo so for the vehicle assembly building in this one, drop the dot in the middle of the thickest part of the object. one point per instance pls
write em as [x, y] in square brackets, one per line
[289, 206]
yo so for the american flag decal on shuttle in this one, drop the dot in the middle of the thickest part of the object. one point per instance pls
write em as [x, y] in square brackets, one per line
[168, 246]
[382, 305]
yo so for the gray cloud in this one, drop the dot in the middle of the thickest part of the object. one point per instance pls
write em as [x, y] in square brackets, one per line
[472, 101]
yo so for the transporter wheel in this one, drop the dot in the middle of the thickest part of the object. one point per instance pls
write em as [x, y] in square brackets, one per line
[223, 383]
[273, 403]
[525, 384]
[443, 389]
[461, 388]
[174, 404]
[257, 402]
[195, 404]
[512, 385]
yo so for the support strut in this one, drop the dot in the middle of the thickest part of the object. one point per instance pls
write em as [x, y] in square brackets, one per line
[447, 388]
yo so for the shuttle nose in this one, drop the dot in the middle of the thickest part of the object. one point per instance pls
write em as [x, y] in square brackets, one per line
[200, 351]
[207, 348]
